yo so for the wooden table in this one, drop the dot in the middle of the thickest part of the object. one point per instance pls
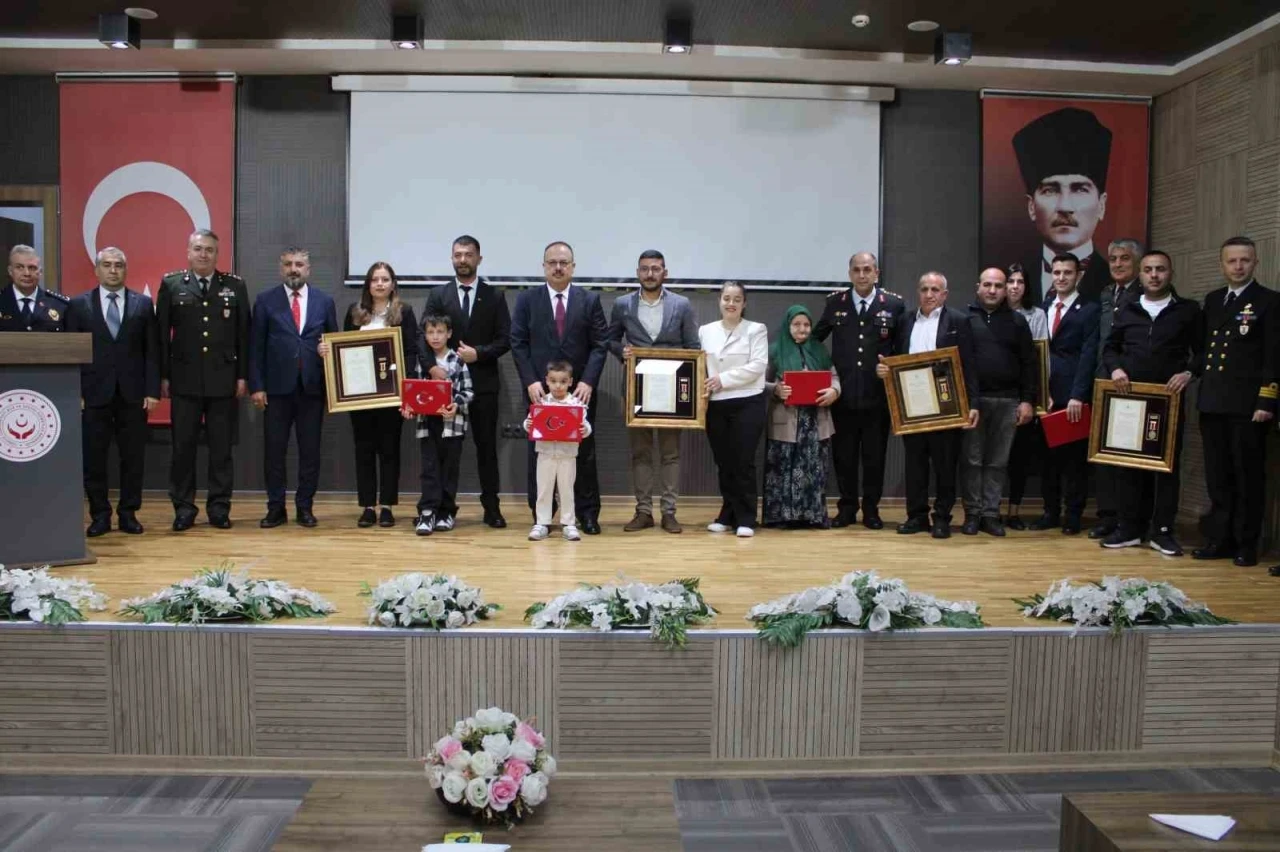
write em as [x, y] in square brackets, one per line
[1120, 822]
[403, 814]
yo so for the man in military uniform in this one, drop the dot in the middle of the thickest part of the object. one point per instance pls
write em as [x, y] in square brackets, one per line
[862, 323]
[25, 305]
[1237, 403]
[203, 316]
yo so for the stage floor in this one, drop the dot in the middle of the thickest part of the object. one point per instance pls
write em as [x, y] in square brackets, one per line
[336, 557]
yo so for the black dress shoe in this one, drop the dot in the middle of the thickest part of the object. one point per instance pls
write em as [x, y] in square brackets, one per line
[941, 529]
[385, 518]
[872, 521]
[1214, 550]
[1045, 522]
[494, 519]
[274, 518]
[970, 525]
[591, 526]
[1274, 570]
[128, 523]
[367, 518]
[1103, 528]
[183, 521]
[843, 519]
[992, 526]
[1246, 557]
[99, 526]
[1015, 522]
[912, 526]
[305, 518]
[1071, 526]
[222, 522]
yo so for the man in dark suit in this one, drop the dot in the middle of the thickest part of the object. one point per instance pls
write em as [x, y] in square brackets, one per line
[653, 317]
[25, 305]
[1237, 404]
[286, 378]
[118, 388]
[481, 334]
[1064, 158]
[931, 327]
[560, 322]
[1073, 362]
[204, 351]
[862, 323]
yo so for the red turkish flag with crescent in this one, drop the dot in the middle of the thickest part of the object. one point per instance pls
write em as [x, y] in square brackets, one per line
[143, 164]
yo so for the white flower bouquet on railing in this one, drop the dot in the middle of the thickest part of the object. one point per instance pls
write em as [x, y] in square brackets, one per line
[861, 600]
[493, 768]
[226, 595]
[1118, 604]
[429, 600]
[666, 610]
[34, 595]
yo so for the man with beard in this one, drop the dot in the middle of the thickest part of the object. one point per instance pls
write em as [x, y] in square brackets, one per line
[25, 305]
[480, 334]
[653, 317]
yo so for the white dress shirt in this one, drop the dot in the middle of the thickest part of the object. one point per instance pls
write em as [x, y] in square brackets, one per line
[302, 302]
[18, 297]
[551, 293]
[1048, 254]
[859, 301]
[376, 320]
[1066, 308]
[738, 356]
[924, 334]
[650, 313]
[471, 303]
[103, 293]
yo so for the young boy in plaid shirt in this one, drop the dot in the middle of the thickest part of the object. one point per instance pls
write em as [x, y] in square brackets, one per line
[440, 435]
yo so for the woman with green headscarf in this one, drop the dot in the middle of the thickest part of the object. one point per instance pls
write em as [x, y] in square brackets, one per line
[798, 448]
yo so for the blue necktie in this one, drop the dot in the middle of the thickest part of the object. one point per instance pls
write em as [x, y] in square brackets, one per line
[113, 315]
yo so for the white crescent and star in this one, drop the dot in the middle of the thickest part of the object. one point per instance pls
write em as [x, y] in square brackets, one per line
[160, 178]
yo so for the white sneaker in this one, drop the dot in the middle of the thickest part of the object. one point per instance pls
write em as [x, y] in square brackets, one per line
[571, 533]
[444, 523]
[426, 523]
[745, 532]
[716, 526]
[538, 533]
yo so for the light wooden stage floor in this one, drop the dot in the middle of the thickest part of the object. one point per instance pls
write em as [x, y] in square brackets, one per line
[336, 557]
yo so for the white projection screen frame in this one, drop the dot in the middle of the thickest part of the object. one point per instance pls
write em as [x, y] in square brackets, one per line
[775, 186]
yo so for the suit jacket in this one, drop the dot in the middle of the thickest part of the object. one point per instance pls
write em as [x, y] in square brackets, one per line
[204, 340]
[488, 329]
[278, 352]
[1073, 352]
[1241, 352]
[953, 330]
[412, 343]
[1092, 281]
[679, 326]
[1110, 306]
[534, 342]
[48, 311]
[129, 364]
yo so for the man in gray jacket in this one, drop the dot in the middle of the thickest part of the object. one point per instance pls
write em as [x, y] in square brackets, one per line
[653, 317]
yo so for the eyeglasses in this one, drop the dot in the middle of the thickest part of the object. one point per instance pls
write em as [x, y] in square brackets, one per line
[555, 263]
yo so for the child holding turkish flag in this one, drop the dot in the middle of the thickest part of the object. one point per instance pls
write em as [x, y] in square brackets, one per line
[557, 460]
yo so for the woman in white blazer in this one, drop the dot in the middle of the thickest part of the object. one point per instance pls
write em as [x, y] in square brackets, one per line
[737, 356]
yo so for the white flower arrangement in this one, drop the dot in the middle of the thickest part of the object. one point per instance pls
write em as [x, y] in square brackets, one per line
[431, 600]
[35, 595]
[492, 766]
[667, 609]
[226, 595]
[861, 600]
[1118, 604]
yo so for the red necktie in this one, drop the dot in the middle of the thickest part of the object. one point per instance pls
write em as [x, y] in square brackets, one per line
[1057, 319]
[297, 310]
[560, 315]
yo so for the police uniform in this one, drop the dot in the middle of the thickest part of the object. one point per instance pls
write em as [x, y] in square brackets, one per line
[204, 347]
[861, 414]
[1241, 376]
[48, 310]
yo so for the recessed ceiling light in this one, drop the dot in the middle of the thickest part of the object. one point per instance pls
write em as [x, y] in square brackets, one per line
[922, 26]
[860, 21]
[141, 14]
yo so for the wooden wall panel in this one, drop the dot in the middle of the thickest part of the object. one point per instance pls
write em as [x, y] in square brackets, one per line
[1173, 211]
[1262, 193]
[1222, 117]
[55, 692]
[1210, 690]
[181, 692]
[329, 695]
[786, 703]
[944, 694]
[629, 697]
[1220, 201]
[1266, 97]
[1173, 140]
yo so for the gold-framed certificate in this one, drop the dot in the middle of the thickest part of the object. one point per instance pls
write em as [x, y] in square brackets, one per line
[364, 369]
[664, 388]
[1042, 377]
[926, 391]
[1137, 429]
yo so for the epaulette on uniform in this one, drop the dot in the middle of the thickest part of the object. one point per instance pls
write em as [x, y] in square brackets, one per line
[835, 293]
[66, 300]
[174, 272]
[891, 293]
[232, 276]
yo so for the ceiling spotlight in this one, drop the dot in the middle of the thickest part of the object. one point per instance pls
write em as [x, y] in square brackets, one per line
[679, 35]
[141, 14]
[952, 48]
[922, 26]
[119, 31]
[860, 21]
[407, 31]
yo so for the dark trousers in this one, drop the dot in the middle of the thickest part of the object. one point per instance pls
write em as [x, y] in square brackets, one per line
[1066, 471]
[303, 414]
[734, 427]
[1148, 500]
[219, 413]
[1025, 458]
[862, 436]
[586, 488]
[483, 411]
[125, 423]
[1235, 464]
[377, 439]
[941, 451]
[440, 458]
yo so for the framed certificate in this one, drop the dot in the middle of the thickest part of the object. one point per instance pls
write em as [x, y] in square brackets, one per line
[926, 391]
[1137, 429]
[363, 370]
[664, 388]
[1042, 377]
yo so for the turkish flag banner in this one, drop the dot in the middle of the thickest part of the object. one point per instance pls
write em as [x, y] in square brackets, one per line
[427, 396]
[556, 423]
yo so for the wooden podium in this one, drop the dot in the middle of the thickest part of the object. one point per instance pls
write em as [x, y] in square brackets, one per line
[41, 473]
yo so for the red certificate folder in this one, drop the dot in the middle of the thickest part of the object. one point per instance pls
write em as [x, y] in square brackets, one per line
[427, 396]
[805, 385]
[1057, 431]
[556, 423]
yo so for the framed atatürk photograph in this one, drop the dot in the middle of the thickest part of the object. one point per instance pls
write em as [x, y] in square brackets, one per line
[664, 388]
[926, 391]
[1042, 377]
[1136, 429]
[364, 369]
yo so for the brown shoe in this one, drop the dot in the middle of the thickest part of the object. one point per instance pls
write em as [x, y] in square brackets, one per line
[640, 522]
[670, 524]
